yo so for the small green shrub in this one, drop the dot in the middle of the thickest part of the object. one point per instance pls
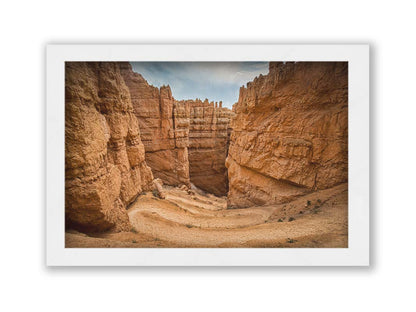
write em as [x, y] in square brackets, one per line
[133, 230]
[291, 219]
[189, 226]
[291, 240]
[308, 203]
[134, 241]
[280, 220]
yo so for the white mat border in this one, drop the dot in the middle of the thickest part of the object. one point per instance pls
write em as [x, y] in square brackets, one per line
[357, 254]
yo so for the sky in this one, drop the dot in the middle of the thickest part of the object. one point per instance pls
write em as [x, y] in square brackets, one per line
[216, 81]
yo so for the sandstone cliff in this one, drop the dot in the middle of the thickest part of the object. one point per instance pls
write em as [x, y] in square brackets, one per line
[185, 141]
[105, 166]
[164, 127]
[208, 145]
[290, 133]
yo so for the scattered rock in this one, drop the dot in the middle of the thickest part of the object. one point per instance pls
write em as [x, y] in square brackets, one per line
[184, 187]
[159, 188]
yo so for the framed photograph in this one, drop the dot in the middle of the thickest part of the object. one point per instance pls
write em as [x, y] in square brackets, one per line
[207, 155]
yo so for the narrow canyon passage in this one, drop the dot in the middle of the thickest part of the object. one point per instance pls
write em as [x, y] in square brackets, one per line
[185, 141]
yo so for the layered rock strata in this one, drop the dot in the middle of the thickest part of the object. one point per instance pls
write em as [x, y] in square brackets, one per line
[164, 125]
[105, 166]
[290, 133]
[185, 141]
[208, 145]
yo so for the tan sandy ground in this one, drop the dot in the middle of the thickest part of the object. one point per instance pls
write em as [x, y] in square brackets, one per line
[319, 219]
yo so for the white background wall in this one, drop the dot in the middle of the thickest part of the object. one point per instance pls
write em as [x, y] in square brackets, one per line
[26, 26]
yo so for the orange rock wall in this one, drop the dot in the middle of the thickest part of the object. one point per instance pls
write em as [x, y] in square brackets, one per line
[164, 126]
[105, 166]
[208, 145]
[185, 141]
[290, 133]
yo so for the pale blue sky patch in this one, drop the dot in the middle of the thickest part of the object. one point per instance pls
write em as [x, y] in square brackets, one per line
[216, 81]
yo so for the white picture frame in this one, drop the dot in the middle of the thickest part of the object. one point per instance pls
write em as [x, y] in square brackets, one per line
[357, 253]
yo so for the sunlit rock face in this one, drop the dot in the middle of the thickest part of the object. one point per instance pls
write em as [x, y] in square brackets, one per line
[105, 167]
[289, 134]
[164, 126]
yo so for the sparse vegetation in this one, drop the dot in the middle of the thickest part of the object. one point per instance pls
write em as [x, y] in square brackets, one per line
[315, 209]
[319, 201]
[308, 203]
[155, 193]
[191, 227]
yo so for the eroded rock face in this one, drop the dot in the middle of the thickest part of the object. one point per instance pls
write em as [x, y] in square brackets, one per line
[185, 141]
[105, 166]
[290, 133]
[164, 126]
[208, 145]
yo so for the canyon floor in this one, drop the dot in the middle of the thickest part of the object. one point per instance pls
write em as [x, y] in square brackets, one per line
[318, 219]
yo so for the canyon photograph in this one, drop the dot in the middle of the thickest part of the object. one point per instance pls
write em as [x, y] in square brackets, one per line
[206, 154]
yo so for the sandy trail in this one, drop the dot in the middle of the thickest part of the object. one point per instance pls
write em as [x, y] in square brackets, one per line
[319, 219]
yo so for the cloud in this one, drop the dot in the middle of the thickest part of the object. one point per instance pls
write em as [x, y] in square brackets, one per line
[216, 81]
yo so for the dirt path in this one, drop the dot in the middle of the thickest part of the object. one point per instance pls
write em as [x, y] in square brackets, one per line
[319, 219]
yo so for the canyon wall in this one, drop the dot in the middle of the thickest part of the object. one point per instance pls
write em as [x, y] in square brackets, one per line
[290, 133]
[208, 145]
[105, 167]
[164, 126]
[185, 141]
